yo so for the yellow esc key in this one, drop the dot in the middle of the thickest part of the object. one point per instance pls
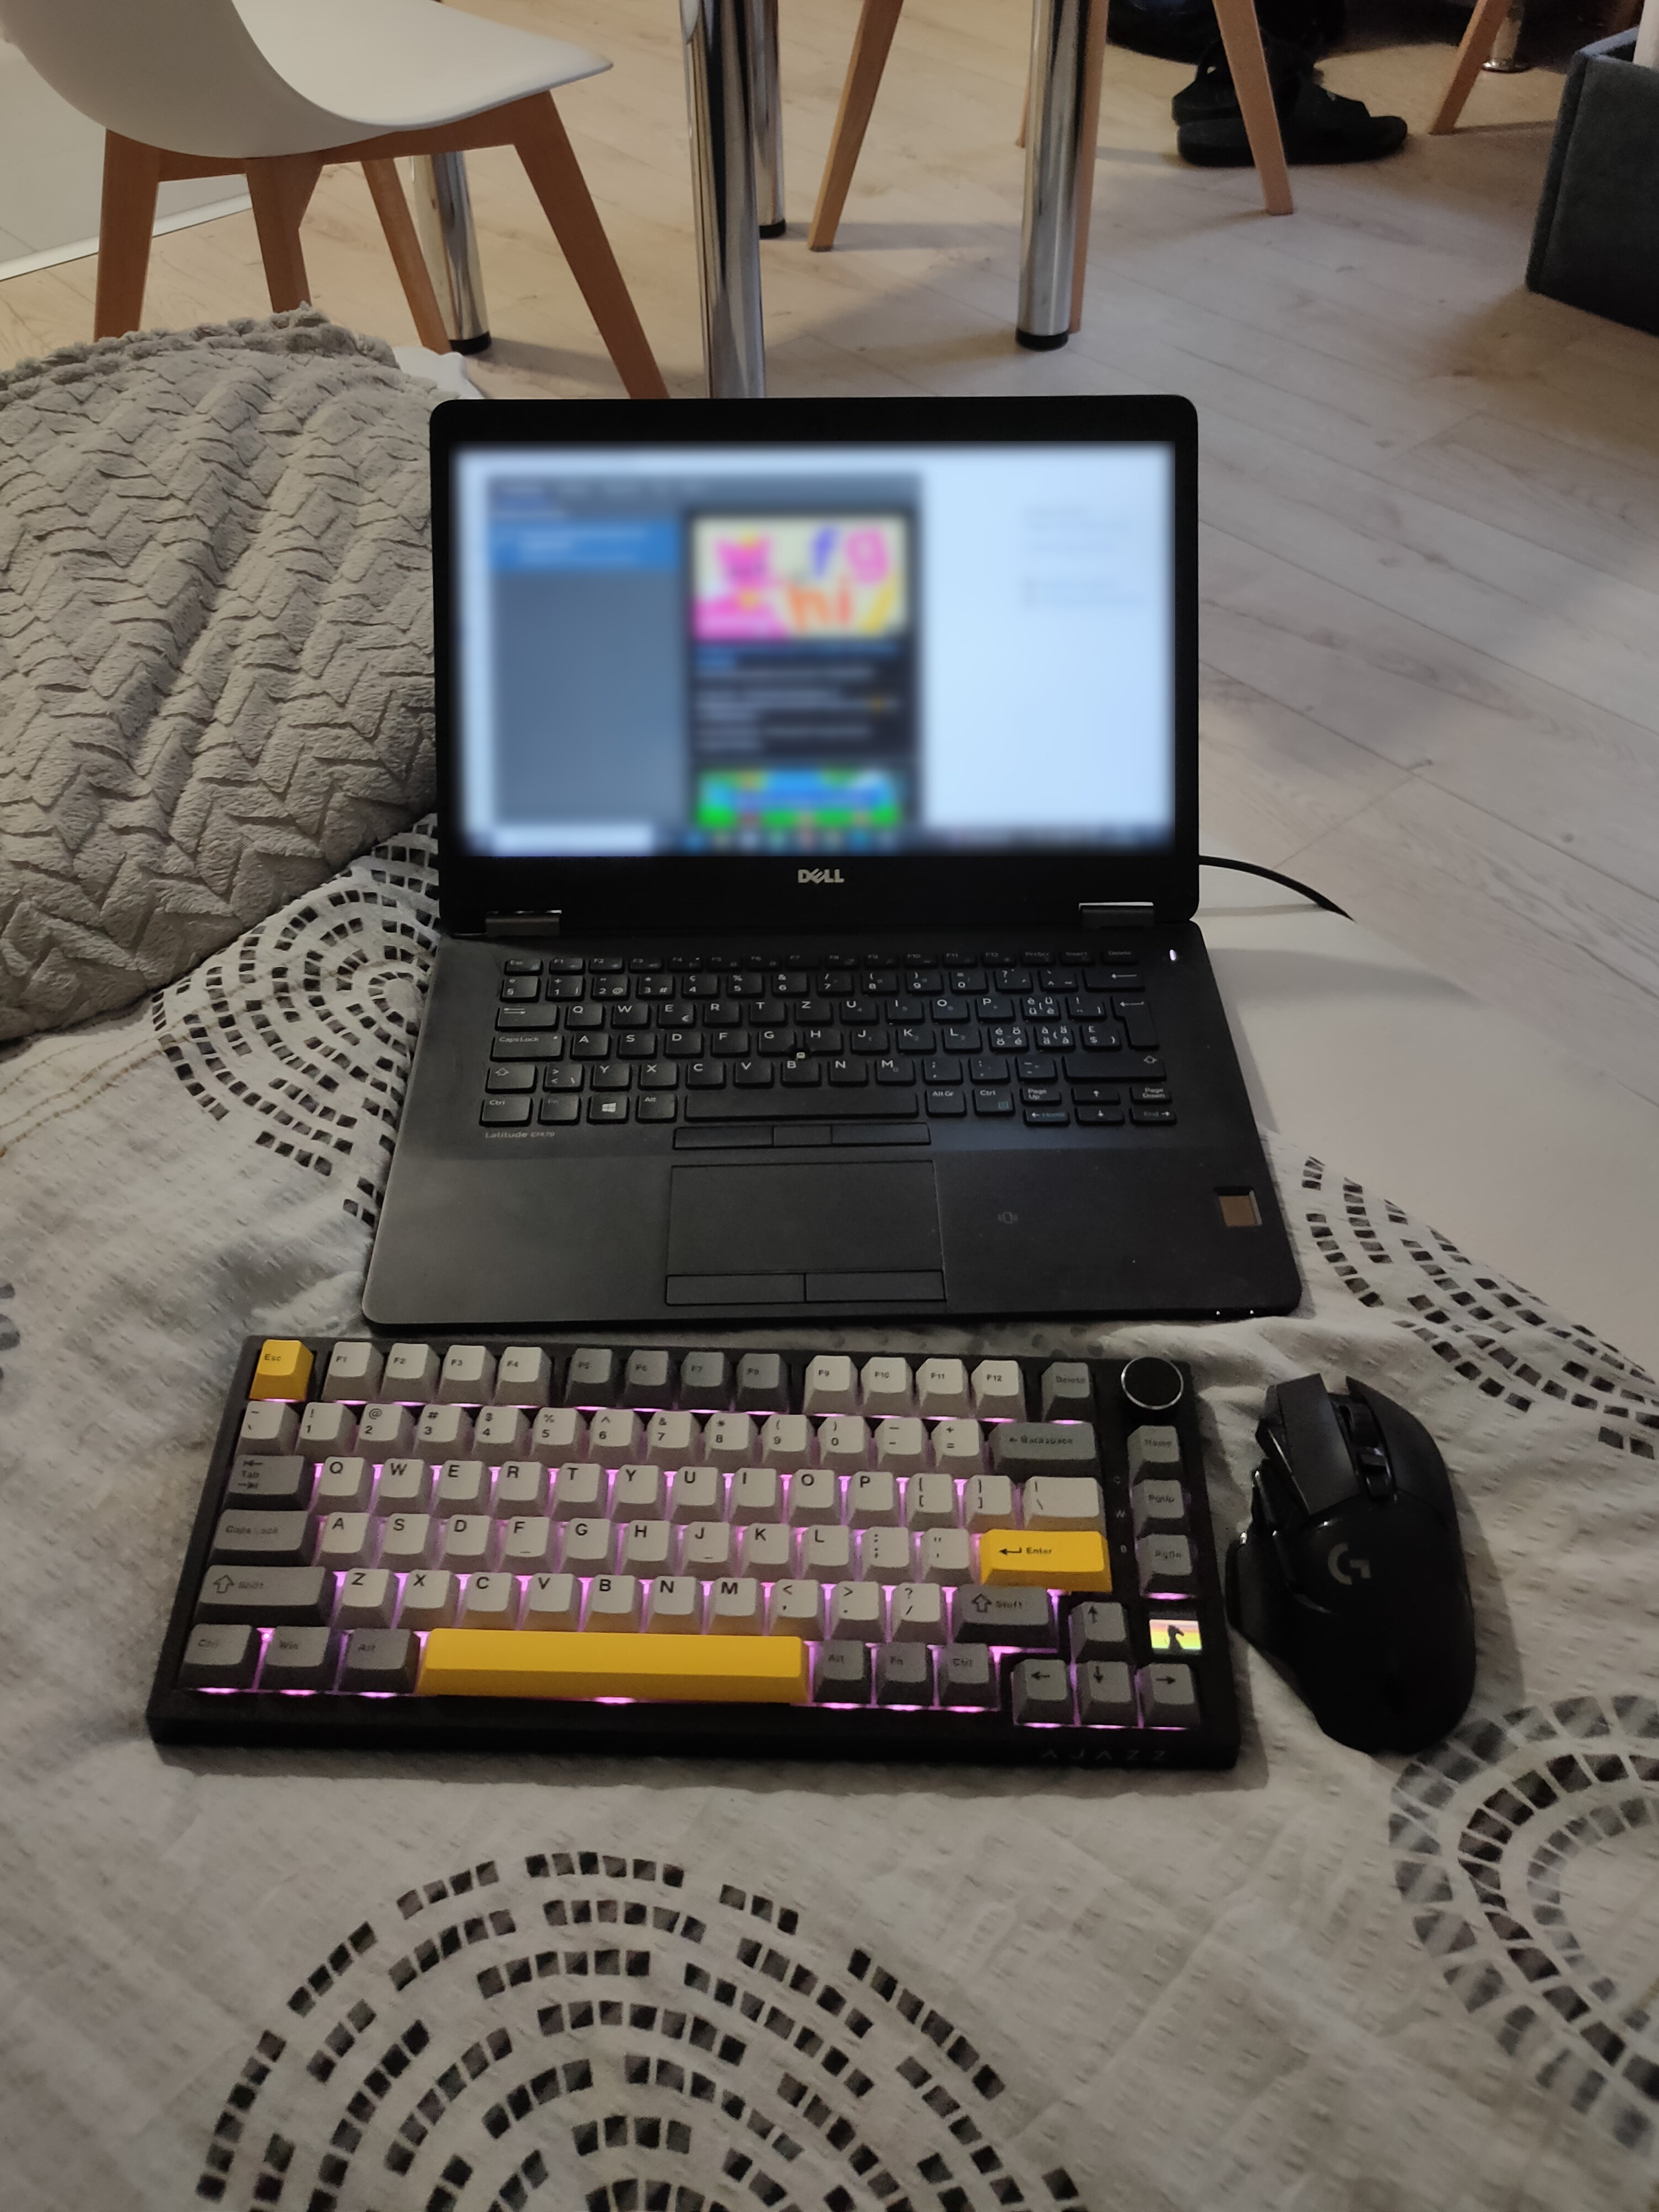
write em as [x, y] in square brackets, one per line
[1042, 1558]
[282, 1371]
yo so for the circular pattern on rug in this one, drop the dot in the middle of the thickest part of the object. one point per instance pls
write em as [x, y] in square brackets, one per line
[1525, 1849]
[581, 2028]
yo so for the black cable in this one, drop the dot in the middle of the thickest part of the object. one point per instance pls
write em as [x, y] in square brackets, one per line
[1249, 868]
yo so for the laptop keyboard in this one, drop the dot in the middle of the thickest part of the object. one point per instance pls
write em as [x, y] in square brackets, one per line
[1053, 1036]
[676, 1549]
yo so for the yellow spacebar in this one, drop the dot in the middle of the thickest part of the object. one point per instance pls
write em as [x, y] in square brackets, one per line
[530, 1662]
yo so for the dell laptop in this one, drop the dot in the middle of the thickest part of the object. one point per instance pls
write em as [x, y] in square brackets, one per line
[818, 854]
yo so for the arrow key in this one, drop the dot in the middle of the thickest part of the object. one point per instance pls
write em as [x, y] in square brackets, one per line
[1168, 1696]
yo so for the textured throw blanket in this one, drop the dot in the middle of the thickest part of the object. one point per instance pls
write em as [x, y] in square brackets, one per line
[1322, 1982]
[216, 662]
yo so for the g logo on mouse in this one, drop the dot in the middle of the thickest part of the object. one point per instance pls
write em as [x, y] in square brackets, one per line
[1339, 1554]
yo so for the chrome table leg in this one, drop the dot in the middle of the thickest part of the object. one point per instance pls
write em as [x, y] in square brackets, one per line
[443, 222]
[768, 124]
[1060, 31]
[720, 38]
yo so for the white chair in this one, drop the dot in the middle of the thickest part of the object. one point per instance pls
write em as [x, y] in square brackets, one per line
[272, 90]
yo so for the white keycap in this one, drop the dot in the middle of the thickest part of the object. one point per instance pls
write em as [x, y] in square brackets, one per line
[901, 1444]
[814, 1496]
[729, 1441]
[763, 1383]
[268, 1425]
[706, 1548]
[1154, 1448]
[521, 1487]
[406, 1486]
[1062, 1501]
[1158, 1503]
[411, 1373]
[885, 1555]
[615, 1435]
[787, 1440]
[856, 1612]
[673, 1606]
[552, 1602]
[705, 1378]
[930, 1501]
[766, 1548]
[354, 1370]
[826, 1554]
[640, 1493]
[873, 1502]
[613, 1603]
[345, 1539]
[755, 1493]
[945, 1556]
[648, 1379]
[696, 1493]
[674, 1439]
[831, 1385]
[645, 1547]
[501, 1432]
[558, 1434]
[588, 1547]
[1066, 1394]
[463, 1486]
[942, 1389]
[431, 1597]
[327, 1431]
[344, 1485]
[491, 1601]
[734, 1608]
[1165, 1561]
[407, 1540]
[917, 1614]
[467, 1377]
[591, 1377]
[579, 1491]
[999, 1390]
[884, 1387]
[467, 1541]
[386, 1432]
[987, 1502]
[444, 1432]
[958, 1448]
[796, 1609]
[528, 1543]
[524, 1375]
[368, 1598]
[844, 1441]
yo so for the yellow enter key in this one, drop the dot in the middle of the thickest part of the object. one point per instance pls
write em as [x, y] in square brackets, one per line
[1062, 1559]
[282, 1371]
[535, 1662]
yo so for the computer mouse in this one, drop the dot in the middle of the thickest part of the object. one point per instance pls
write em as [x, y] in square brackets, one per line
[1350, 1573]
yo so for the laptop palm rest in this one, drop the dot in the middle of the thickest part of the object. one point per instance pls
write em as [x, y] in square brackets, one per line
[785, 1235]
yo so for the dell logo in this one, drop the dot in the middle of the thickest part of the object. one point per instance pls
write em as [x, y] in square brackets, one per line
[820, 876]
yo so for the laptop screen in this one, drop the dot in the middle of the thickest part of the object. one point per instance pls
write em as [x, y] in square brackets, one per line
[782, 649]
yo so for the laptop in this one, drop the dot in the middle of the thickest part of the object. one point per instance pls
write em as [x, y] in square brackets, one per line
[817, 826]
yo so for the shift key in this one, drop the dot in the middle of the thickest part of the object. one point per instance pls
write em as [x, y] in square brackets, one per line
[267, 1597]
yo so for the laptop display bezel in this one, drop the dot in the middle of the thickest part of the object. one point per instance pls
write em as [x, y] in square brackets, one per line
[707, 891]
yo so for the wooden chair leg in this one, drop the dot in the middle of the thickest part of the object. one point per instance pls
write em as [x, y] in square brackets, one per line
[279, 187]
[1024, 110]
[1094, 63]
[132, 173]
[410, 263]
[1479, 39]
[1241, 35]
[552, 167]
[878, 20]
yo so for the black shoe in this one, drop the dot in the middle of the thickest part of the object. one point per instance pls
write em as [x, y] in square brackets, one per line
[1315, 125]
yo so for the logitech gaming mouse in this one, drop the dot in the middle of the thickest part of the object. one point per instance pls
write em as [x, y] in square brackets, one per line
[1350, 1573]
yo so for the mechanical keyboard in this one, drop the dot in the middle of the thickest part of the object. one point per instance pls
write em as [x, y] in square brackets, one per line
[566, 1545]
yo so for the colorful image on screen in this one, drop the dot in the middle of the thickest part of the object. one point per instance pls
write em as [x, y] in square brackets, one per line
[784, 805]
[791, 578]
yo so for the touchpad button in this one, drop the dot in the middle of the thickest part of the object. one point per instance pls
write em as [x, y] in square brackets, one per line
[868, 1218]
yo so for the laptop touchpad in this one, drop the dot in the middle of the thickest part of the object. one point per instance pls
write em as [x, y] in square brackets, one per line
[781, 1235]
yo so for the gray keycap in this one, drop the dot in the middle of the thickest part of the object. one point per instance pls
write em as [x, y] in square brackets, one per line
[592, 1377]
[277, 1540]
[1042, 1691]
[706, 1381]
[270, 1597]
[1105, 1695]
[298, 1659]
[903, 1674]
[219, 1658]
[648, 1382]
[967, 1676]
[1169, 1695]
[841, 1674]
[763, 1383]
[381, 1659]
[1155, 1450]
[1165, 1563]
[1019, 1449]
[1098, 1630]
[1021, 1617]
[256, 1479]
[1158, 1503]
[1067, 1393]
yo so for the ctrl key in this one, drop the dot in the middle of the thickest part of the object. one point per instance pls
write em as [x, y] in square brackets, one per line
[220, 1656]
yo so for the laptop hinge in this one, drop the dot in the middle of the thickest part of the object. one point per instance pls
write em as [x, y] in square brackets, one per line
[522, 925]
[1102, 915]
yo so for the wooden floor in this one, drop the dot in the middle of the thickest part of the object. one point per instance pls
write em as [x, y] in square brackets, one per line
[1431, 500]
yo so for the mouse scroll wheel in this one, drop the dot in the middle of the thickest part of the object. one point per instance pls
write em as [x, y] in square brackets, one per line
[1374, 1471]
